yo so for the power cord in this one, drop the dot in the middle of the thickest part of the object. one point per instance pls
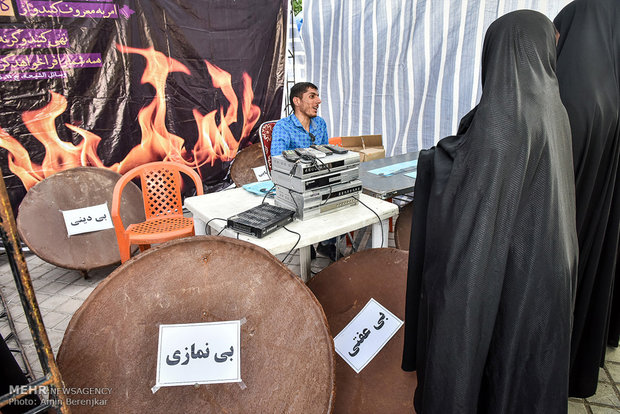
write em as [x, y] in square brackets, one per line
[324, 165]
[328, 195]
[375, 213]
[293, 198]
[267, 193]
[296, 243]
[215, 218]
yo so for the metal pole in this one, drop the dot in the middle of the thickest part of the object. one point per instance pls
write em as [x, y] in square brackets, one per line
[8, 232]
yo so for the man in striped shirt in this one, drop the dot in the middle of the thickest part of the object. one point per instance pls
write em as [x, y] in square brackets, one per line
[303, 127]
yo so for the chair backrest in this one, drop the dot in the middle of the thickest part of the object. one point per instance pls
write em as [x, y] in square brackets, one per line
[264, 132]
[336, 141]
[161, 184]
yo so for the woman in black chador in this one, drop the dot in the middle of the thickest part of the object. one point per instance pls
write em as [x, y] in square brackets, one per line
[493, 249]
[588, 65]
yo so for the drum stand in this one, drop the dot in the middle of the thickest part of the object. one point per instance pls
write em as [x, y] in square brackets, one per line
[52, 378]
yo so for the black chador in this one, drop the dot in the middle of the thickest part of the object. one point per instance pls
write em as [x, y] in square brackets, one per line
[494, 248]
[588, 65]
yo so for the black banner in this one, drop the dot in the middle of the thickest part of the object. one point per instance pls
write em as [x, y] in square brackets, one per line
[117, 84]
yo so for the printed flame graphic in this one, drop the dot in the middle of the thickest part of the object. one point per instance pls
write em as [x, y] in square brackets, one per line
[157, 143]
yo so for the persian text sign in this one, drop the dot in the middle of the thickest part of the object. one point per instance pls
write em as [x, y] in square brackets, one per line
[19, 76]
[198, 353]
[33, 38]
[43, 62]
[49, 8]
[87, 219]
[261, 173]
[366, 335]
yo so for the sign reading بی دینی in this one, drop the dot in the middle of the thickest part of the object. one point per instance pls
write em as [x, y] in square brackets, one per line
[87, 219]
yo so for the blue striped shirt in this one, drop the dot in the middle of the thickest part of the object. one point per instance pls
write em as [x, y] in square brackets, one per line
[290, 134]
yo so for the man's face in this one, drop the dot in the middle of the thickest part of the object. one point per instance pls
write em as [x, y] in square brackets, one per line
[309, 102]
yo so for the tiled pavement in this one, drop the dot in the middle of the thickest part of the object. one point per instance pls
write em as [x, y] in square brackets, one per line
[60, 292]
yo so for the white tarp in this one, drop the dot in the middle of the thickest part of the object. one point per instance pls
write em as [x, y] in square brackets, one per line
[406, 69]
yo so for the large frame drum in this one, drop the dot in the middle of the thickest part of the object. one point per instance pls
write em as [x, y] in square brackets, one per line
[343, 289]
[287, 355]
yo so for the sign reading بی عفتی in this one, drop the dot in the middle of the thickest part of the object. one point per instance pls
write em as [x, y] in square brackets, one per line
[87, 219]
[198, 353]
[366, 335]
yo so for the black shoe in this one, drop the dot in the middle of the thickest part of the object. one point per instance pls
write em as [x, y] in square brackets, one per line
[312, 252]
[327, 251]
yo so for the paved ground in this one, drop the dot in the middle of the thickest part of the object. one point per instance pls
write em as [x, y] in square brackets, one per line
[60, 292]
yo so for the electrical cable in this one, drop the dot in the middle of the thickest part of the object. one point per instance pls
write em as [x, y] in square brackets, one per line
[214, 218]
[296, 243]
[375, 213]
[267, 193]
[328, 195]
[324, 165]
[293, 198]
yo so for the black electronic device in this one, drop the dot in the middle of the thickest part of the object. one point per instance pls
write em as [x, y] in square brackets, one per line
[322, 148]
[290, 155]
[261, 220]
[335, 148]
[309, 153]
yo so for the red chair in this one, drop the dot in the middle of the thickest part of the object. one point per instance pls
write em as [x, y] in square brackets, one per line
[161, 184]
[264, 132]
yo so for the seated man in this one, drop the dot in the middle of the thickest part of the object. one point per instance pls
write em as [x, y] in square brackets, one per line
[303, 127]
[300, 130]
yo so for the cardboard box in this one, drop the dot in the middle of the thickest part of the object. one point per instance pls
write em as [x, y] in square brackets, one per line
[370, 147]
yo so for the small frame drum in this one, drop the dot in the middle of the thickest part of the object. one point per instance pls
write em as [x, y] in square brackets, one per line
[241, 170]
[41, 225]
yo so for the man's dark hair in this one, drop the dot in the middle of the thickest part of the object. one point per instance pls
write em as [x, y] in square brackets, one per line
[298, 90]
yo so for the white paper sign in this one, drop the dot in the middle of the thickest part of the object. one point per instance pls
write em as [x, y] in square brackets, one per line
[261, 173]
[199, 353]
[87, 219]
[366, 335]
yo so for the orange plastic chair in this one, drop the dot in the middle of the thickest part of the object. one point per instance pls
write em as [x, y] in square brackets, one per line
[336, 141]
[161, 191]
[264, 132]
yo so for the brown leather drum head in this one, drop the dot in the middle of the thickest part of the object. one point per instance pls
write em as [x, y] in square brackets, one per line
[343, 289]
[287, 354]
[241, 170]
[41, 225]
[402, 229]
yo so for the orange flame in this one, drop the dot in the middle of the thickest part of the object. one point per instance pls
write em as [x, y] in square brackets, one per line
[157, 143]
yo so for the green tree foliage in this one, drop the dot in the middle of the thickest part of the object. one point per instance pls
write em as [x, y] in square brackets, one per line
[296, 6]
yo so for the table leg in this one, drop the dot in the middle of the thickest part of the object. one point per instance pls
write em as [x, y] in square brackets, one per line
[200, 227]
[304, 263]
[379, 234]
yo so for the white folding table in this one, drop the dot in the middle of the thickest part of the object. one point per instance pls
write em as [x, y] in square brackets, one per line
[210, 208]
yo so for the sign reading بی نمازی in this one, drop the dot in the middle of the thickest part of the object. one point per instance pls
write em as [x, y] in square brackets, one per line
[119, 83]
